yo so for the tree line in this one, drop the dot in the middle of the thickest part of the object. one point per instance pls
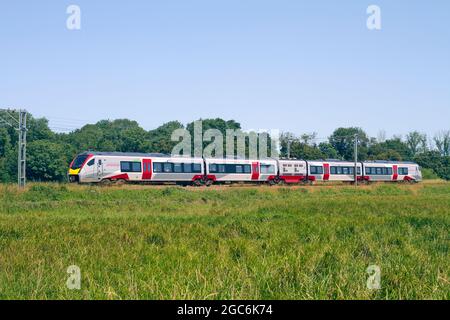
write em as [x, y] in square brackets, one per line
[49, 153]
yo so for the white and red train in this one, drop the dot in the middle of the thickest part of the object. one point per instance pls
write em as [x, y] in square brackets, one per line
[108, 167]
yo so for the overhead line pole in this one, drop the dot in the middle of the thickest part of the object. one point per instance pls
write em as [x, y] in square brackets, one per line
[21, 160]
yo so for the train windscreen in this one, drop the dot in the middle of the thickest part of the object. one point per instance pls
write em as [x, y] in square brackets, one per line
[78, 162]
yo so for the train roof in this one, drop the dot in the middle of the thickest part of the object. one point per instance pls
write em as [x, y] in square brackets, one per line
[389, 162]
[126, 154]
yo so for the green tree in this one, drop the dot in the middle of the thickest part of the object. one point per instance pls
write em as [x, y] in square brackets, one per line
[391, 149]
[160, 138]
[46, 161]
[434, 160]
[442, 141]
[328, 151]
[416, 142]
[343, 139]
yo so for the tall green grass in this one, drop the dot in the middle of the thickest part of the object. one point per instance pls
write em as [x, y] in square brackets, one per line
[138, 242]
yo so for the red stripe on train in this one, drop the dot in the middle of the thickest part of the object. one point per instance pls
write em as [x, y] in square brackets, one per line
[255, 170]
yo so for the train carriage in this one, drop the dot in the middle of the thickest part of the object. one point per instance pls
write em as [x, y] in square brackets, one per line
[292, 171]
[91, 167]
[392, 171]
[240, 170]
[334, 170]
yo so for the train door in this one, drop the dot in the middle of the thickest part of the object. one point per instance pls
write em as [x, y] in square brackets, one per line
[255, 170]
[146, 169]
[395, 169]
[98, 169]
[326, 171]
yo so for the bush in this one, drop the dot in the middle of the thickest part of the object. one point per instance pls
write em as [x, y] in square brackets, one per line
[428, 174]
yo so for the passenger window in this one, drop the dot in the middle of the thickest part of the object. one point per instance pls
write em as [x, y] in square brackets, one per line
[196, 167]
[167, 167]
[90, 163]
[125, 166]
[187, 167]
[177, 167]
[239, 169]
[247, 168]
[269, 169]
[136, 167]
[157, 167]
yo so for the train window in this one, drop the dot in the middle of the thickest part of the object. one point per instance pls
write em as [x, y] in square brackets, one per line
[389, 171]
[178, 167]
[157, 167]
[316, 170]
[78, 162]
[136, 167]
[213, 168]
[221, 168]
[267, 169]
[247, 168]
[239, 169]
[333, 170]
[339, 170]
[187, 167]
[196, 167]
[378, 170]
[358, 170]
[345, 170]
[90, 163]
[167, 167]
[403, 171]
[125, 166]
[129, 166]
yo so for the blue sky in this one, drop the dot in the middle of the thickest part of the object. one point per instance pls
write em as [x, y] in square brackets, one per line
[298, 66]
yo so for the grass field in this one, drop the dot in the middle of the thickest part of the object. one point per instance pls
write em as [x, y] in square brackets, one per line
[141, 242]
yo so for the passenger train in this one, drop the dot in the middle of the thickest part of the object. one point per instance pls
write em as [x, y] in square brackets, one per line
[116, 167]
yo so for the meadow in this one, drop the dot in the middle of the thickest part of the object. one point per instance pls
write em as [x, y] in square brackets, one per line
[249, 242]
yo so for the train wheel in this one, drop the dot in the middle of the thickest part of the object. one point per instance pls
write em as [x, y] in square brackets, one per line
[105, 182]
[208, 182]
[120, 182]
[197, 183]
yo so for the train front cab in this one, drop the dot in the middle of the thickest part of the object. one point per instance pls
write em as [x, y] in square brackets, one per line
[77, 165]
[395, 172]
